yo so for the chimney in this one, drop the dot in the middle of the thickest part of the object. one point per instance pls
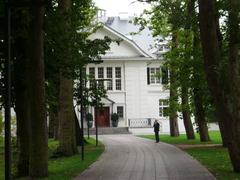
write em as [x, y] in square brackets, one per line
[124, 16]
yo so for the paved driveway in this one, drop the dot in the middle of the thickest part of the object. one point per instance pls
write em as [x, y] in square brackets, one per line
[132, 158]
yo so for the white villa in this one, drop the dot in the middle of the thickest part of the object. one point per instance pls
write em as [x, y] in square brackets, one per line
[134, 91]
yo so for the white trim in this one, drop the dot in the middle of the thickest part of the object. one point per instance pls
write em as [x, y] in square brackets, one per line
[126, 58]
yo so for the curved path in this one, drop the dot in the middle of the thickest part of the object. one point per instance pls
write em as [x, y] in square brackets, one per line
[132, 158]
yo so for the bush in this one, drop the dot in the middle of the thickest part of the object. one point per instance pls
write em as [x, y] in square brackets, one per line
[89, 118]
[114, 118]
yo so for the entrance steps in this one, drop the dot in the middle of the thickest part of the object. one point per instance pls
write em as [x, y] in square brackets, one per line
[108, 130]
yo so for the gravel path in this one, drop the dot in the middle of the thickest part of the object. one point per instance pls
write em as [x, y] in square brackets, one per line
[132, 158]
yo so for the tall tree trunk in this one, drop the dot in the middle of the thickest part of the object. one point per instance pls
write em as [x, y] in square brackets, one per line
[173, 102]
[198, 89]
[223, 133]
[22, 106]
[78, 131]
[226, 98]
[173, 117]
[186, 75]
[186, 114]
[234, 86]
[200, 116]
[21, 89]
[38, 159]
[67, 139]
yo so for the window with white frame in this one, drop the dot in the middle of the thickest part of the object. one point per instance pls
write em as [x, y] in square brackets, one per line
[118, 79]
[120, 111]
[100, 73]
[100, 76]
[163, 107]
[92, 75]
[109, 77]
[155, 75]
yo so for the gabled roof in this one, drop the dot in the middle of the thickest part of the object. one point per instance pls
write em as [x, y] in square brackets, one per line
[132, 43]
[155, 47]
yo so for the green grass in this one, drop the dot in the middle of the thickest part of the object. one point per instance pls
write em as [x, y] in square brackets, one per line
[216, 159]
[67, 167]
[64, 168]
[182, 139]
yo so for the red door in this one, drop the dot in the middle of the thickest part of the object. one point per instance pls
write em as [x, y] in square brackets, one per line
[102, 116]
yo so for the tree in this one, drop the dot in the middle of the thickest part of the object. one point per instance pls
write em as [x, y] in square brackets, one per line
[75, 23]
[67, 142]
[28, 95]
[224, 87]
[38, 156]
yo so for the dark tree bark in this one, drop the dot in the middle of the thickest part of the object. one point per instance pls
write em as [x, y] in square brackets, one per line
[200, 116]
[78, 131]
[186, 114]
[67, 139]
[234, 86]
[22, 107]
[21, 88]
[226, 98]
[223, 132]
[173, 117]
[38, 159]
[186, 76]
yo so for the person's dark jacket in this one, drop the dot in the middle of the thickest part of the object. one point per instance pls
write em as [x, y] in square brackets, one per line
[156, 127]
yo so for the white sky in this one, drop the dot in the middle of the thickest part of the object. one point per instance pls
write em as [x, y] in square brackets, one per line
[114, 7]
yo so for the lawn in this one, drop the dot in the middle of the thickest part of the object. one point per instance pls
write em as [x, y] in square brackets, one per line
[64, 168]
[216, 159]
[214, 135]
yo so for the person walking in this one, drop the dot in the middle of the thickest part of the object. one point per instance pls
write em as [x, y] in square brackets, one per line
[156, 130]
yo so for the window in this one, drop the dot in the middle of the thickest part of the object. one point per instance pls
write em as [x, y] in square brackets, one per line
[118, 84]
[109, 85]
[120, 111]
[118, 72]
[109, 72]
[92, 76]
[109, 77]
[163, 107]
[100, 76]
[92, 72]
[118, 78]
[100, 73]
[155, 75]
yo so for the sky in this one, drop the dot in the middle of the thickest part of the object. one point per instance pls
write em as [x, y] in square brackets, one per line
[114, 7]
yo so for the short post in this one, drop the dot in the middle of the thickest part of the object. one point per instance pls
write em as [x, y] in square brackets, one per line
[81, 115]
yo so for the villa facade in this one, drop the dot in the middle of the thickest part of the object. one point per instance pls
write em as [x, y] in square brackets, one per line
[136, 85]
